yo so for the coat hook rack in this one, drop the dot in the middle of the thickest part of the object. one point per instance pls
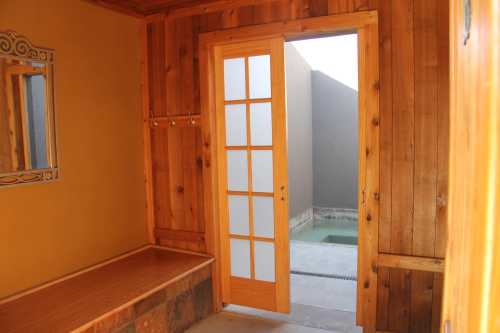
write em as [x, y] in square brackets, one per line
[178, 121]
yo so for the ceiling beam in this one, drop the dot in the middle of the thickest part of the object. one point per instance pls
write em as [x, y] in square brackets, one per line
[121, 8]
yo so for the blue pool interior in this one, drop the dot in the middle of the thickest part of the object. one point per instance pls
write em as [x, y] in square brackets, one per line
[328, 230]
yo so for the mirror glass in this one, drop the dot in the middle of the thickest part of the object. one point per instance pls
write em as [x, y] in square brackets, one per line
[27, 138]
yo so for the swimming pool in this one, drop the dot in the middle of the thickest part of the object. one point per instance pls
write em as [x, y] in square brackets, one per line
[335, 230]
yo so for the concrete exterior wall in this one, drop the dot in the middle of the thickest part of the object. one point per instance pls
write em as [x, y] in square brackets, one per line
[299, 118]
[335, 142]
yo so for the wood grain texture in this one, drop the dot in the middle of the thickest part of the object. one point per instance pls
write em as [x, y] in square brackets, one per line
[244, 291]
[413, 99]
[425, 167]
[146, 114]
[143, 8]
[472, 276]
[368, 177]
[403, 104]
[74, 302]
[443, 123]
[411, 263]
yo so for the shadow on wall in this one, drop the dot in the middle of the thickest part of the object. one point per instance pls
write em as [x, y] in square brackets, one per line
[322, 117]
[335, 142]
[299, 123]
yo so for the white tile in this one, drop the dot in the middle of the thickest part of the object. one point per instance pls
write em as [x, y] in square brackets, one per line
[326, 293]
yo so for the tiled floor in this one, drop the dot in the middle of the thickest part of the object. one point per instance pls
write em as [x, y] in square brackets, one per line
[309, 316]
[227, 322]
[319, 304]
[328, 293]
[323, 258]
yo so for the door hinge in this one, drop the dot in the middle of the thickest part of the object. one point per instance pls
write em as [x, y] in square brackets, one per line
[283, 193]
[363, 198]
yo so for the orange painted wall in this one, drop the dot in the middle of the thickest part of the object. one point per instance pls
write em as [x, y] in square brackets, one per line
[96, 209]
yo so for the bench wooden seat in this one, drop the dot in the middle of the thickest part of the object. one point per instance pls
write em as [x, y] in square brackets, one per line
[112, 296]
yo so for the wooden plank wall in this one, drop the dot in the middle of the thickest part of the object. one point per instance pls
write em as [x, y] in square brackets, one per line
[413, 144]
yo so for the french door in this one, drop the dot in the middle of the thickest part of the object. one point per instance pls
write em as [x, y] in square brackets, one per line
[252, 173]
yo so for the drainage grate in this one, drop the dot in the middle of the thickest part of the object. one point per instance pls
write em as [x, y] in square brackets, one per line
[331, 276]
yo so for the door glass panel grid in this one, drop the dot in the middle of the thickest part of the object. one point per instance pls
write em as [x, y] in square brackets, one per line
[253, 249]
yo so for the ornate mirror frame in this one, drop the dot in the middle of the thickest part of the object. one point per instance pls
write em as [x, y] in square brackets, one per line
[15, 46]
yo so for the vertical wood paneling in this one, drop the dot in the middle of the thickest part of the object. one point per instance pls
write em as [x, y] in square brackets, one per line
[402, 160]
[437, 302]
[156, 41]
[385, 26]
[422, 284]
[161, 178]
[340, 6]
[318, 7]
[159, 138]
[425, 167]
[383, 290]
[425, 122]
[213, 21]
[360, 5]
[263, 13]
[245, 15]
[176, 177]
[196, 64]
[299, 9]
[472, 277]
[191, 162]
[176, 151]
[280, 12]
[172, 66]
[146, 114]
[443, 95]
[230, 18]
[399, 300]
[403, 101]
[413, 135]
[186, 66]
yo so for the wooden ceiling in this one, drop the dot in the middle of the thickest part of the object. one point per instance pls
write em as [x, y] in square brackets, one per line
[141, 8]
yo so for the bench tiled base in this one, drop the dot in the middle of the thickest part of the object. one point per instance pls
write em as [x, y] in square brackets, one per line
[169, 310]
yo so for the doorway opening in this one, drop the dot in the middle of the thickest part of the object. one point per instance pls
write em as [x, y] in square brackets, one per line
[322, 114]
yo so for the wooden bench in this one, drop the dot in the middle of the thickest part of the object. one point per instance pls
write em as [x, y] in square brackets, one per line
[151, 290]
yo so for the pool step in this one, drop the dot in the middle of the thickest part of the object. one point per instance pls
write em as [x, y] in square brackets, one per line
[330, 276]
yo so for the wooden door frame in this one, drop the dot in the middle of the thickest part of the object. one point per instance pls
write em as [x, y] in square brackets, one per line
[366, 25]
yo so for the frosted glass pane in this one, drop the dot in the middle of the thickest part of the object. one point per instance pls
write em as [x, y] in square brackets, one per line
[264, 261]
[262, 170]
[240, 258]
[236, 125]
[261, 124]
[238, 215]
[234, 79]
[259, 68]
[263, 217]
[237, 170]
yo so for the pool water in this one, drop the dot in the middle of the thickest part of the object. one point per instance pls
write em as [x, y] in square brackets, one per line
[331, 230]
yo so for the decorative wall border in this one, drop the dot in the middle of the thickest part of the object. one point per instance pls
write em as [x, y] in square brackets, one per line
[27, 177]
[15, 45]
